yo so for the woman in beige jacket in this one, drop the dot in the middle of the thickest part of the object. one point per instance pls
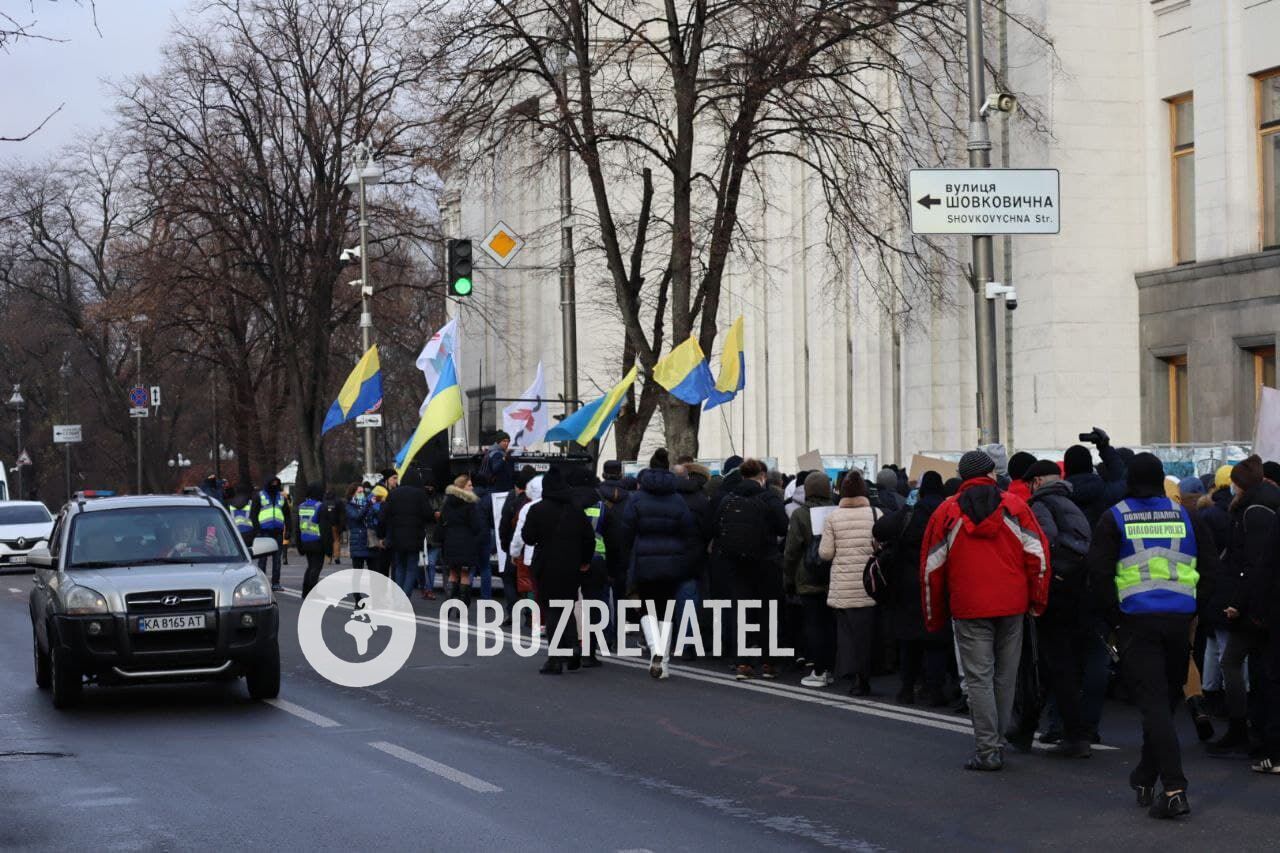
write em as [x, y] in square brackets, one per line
[847, 542]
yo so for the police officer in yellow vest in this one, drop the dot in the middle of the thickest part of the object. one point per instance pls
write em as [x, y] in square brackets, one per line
[313, 535]
[270, 518]
[1149, 563]
[240, 505]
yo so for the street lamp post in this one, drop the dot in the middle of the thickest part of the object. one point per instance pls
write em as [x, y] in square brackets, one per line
[568, 285]
[18, 404]
[138, 320]
[363, 174]
[65, 373]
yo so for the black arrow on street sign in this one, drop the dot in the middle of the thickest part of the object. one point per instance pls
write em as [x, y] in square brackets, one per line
[928, 201]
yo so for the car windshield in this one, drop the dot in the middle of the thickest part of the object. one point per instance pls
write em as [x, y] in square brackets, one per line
[26, 514]
[152, 535]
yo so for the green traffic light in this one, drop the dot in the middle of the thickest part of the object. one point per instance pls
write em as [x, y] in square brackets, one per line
[462, 287]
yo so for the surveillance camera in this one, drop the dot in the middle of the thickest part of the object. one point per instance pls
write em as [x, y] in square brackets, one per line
[1001, 102]
[1011, 302]
[996, 290]
[348, 255]
[366, 290]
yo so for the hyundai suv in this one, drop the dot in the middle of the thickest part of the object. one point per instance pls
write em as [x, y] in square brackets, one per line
[143, 589]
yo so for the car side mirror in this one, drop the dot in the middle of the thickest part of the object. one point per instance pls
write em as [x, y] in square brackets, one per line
[40, 558]
[264, 546]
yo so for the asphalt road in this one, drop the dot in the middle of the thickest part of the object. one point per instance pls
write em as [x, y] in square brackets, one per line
[469, 753]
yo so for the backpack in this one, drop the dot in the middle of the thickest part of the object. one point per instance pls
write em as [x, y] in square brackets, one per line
[741, 534]
[877, 573]
[818, 569]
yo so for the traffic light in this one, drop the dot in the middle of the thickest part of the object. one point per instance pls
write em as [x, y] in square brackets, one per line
[459, 267]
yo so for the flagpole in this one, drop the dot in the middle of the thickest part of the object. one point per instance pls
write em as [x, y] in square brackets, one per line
[729, 429]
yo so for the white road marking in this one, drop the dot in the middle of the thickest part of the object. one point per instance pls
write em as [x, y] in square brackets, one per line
[298, 711]
[104, 802]
[916, 716]
[14, 589]
[444, 771]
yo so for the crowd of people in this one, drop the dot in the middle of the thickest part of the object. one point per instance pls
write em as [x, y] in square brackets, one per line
[1019, 592]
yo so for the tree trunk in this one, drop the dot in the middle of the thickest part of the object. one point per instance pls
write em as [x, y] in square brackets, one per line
[680, 426]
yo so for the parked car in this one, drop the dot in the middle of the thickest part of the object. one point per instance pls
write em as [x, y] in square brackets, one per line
[140, 589]
[24, 525]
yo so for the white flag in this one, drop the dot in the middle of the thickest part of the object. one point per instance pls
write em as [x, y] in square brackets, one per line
[443, 344]
[527, 421]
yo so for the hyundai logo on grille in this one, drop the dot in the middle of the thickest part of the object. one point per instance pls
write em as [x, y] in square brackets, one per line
[171, 600]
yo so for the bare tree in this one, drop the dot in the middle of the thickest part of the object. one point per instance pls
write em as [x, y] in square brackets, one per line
[676, 110]
[249, 130]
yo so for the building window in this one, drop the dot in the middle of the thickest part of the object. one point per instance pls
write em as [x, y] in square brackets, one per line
[1179, 413]
[1269, 152]
[1264, 371]
[1183, 149]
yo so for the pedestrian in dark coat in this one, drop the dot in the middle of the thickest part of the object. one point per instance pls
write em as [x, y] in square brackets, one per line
[1095, 492]
[658, 524]
[357, 510]
[404, 517]
[462, 529]
[1215, 511]
[312, 533]
[817, 620]
[922, 657]
[563, 542]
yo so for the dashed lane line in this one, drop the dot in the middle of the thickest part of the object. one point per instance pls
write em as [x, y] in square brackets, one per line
[298, 711]
[444, 771]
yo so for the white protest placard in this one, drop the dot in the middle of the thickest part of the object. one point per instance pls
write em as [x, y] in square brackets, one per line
[1266, 433]
[498, 501]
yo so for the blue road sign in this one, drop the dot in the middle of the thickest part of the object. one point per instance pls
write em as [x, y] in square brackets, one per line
[139, 396]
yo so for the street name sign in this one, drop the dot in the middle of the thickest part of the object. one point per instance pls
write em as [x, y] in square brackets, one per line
[368, 421]
[985, 201]
[66, 434]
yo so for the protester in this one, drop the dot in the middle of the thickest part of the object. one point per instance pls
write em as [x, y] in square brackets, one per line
[691, 481]
[435, 539]
[658, 526]
[748, 523]
[484, 511]
[563, 543]
[848, 543]
[516, 500]
[1018, 465]
[521, 553]
[1251, 558]
[1146, 568]
[985, 565]
[376, 532]
[1216, 511]
[498, 467]
[462, 530]
[810, 579]
[335, 512]
[1065, 627]
[357, 508]
[922, 657]
[887, 498]
[405, 516]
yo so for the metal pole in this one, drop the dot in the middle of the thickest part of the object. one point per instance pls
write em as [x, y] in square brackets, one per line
[66, 419]
[137, 350]
[22, 492]
[568, 307]
[366, 318]
[984, 309]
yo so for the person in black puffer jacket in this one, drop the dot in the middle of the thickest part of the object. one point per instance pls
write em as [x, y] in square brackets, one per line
[749, 523]
[616, 544]
[923, 657]
[1067, 623]
[405, 516]
[658, 524]
[462, 528]
[1251, 560]
[563, 542]
[1215, 510]
[1094, 492]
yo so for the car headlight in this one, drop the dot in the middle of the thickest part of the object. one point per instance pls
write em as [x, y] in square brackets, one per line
[83, 601]
[251, 592]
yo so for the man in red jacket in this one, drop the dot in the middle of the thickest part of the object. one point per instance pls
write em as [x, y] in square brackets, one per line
[984, 564]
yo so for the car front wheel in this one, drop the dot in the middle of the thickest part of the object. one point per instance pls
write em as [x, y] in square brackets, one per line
[263, 676]
[44, 674]
[66, 680]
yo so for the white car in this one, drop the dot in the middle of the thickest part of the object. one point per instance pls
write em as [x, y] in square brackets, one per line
[24, 525]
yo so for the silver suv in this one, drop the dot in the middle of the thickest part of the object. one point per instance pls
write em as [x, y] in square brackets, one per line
[140, 589]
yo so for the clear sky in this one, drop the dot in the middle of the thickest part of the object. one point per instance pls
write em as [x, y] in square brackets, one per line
[39, 75]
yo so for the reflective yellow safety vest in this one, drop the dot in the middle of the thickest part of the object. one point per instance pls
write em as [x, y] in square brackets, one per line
[308, 520]
[243, 517]
[593, 513]
[270, 513]
[1156, 572]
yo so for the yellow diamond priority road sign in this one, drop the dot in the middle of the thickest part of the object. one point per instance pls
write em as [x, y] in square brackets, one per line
[502, 244]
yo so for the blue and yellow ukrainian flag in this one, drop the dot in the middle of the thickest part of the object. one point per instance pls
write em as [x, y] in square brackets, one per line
[362, 392]
[733, 368]
[443, 410]
[684, 372]
[592, 420]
